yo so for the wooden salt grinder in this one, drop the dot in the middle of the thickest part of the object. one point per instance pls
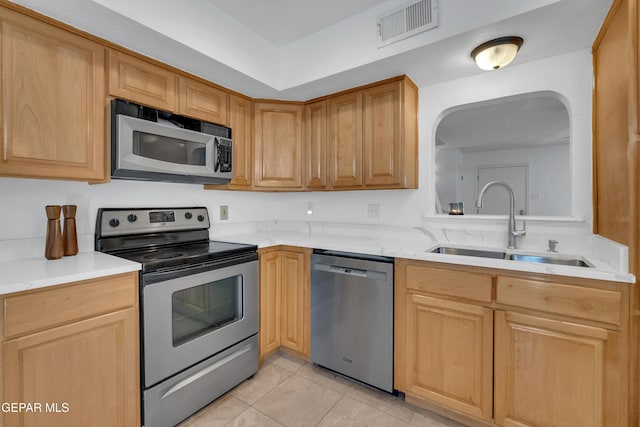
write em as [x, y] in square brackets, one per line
[53, 246]
[69, 234]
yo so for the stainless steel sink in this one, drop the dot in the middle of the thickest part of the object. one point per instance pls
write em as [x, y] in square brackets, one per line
[468, 252]
[538, 259]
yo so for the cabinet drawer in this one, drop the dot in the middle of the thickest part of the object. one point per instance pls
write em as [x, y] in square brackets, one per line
[33, 311]
[570, 300]
[459, 284]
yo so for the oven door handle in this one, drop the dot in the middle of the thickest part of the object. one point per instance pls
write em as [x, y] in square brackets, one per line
[206, 371]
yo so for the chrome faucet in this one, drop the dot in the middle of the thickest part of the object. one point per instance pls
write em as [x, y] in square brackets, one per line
[513, 232]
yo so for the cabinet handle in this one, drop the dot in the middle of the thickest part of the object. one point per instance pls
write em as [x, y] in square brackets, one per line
[182, 384]
[5, 140]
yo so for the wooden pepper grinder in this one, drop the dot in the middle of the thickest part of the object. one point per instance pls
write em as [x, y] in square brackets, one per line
[53, 246]
[69, 234]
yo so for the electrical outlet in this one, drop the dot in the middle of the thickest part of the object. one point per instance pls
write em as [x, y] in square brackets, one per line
[373, 210]
[224, 212]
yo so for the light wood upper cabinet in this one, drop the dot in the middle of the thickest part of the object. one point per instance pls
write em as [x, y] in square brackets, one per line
[373, 137]
[449, 348]
[277, 146]
[241, 124]
[140, 81]
[391, 135]
[315, 140]
[52, 102]
[203, 102]
[80, 347]
[345, 141]
[555, 373]
[383, 142]
[285, 293]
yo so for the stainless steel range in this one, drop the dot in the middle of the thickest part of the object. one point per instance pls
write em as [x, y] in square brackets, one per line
[198, 307]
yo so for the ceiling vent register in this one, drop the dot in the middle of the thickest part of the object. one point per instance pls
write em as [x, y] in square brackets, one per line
[406, 21]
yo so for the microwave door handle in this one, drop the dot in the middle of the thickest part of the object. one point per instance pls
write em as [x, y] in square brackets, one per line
[217, 155]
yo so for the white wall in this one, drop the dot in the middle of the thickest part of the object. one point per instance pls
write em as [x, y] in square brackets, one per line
[23, 200]
[549, 176]
[22, 213]
[448, 173]
[568, 75]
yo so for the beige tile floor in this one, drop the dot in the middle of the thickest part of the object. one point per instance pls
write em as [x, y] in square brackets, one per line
[291, 392]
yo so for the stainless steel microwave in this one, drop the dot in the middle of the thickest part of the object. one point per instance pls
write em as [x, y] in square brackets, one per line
[155, 145]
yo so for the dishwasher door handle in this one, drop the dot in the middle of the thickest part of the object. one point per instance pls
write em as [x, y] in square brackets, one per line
[349, 271]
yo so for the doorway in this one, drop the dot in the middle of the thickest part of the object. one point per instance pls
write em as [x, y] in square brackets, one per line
[496, 202]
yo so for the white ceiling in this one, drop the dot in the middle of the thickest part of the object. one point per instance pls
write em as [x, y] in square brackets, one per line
[528, 120]
[284, 21]
[301, 49]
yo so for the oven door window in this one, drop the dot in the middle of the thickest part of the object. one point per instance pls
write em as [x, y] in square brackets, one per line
[202, 309]
[169, 149]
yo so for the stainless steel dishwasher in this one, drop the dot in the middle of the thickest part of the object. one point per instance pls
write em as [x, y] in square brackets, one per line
[352, 316]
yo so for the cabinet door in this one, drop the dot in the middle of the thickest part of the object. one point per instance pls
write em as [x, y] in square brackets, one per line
[203, 102]
[555, 373]
[139, 81]
[295, 328]
[449, 354]
[383, 138]
[315, 139]
[345, 141]
[240, 119]
[615, 162]
[52, 102]
[278, 146]
[87, 370]
[270, 276]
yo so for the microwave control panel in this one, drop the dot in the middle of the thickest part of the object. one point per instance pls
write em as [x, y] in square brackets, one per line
[224, 158]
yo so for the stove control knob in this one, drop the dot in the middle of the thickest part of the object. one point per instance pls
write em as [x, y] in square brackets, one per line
[188, 215]
[114, 222]
[200, 218]
[132, 218]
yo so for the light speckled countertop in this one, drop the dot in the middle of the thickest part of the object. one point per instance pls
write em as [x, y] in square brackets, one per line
[32, 273]
[420, 249]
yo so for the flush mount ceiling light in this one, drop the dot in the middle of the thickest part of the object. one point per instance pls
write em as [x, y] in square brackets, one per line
[496, 53]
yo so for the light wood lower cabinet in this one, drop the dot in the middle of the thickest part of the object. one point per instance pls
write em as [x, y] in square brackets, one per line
[285, 300]
[500, 348]
[270, 291]
[296, 300]
[81, 366]
[449, 349]
[555, 373]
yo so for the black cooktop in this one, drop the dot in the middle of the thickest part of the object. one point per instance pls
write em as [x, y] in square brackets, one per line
[164, 238]
[153, 259]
